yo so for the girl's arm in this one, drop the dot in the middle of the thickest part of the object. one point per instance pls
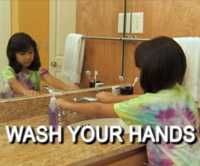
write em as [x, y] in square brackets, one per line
[108, 97]
[18, 88]
[92, 109]
[54, 82]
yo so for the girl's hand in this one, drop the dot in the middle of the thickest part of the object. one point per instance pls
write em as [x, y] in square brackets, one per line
[108, 97]
[71, 86]
[89, 109]
[105, 96]
[58, 84]
[62, 103]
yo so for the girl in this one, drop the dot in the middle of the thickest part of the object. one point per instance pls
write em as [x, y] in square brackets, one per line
[165, 101]
[24, 72]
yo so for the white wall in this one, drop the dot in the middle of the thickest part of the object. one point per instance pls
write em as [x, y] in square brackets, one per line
[5, 30]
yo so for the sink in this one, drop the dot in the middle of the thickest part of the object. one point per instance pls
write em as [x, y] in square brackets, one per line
[103, 122]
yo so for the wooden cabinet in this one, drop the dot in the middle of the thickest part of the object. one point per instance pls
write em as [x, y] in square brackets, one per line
[138, 159]
[136, 156]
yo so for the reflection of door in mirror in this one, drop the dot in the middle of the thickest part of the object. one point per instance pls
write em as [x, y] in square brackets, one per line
[32, 17]
[62, 16]
[5, 30]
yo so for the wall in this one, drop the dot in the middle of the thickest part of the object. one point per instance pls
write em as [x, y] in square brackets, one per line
[5, 31]
[32, 17]
[171, 17]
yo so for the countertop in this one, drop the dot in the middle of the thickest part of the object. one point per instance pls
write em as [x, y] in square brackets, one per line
[56, 154]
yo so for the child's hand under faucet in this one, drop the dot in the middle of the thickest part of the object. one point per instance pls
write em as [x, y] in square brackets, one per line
[108, 97]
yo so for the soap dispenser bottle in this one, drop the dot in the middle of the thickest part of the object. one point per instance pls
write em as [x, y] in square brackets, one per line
[53, 112]
[56, 115]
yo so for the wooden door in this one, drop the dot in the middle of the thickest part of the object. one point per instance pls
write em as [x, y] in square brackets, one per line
[62, 20]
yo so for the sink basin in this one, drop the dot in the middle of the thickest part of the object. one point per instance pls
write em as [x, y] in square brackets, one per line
[103, 122]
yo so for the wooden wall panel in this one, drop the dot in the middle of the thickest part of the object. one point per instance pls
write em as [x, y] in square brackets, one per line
[161, 17]
[99, 18]
[131, 71]
[171, 17]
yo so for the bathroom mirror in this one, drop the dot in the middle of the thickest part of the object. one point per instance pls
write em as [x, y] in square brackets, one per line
[50, 21]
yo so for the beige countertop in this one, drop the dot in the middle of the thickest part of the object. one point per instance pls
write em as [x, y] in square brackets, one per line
[56, 154]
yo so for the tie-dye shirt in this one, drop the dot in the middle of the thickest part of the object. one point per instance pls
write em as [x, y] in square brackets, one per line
[173, 106]
[30, 79]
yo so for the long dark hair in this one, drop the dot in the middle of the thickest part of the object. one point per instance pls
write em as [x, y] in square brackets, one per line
[22, 42]
[162, 63]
